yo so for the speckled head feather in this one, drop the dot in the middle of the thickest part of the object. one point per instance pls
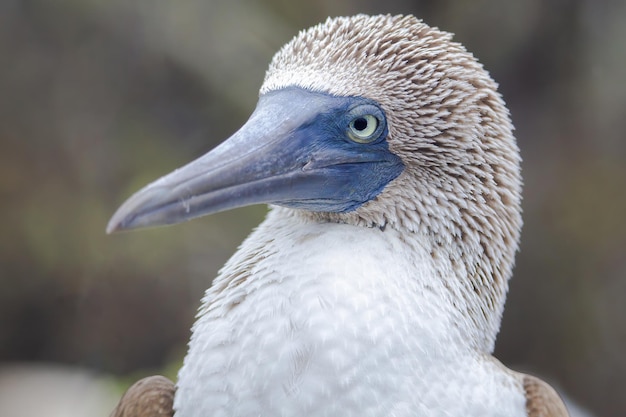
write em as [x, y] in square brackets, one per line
[461, 185]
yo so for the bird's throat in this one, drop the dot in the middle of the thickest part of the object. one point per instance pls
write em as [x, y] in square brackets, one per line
[361, 306]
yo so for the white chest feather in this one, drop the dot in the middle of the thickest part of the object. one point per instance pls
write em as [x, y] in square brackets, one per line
[335, 320]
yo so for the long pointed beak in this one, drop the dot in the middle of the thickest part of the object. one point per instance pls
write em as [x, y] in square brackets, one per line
[279, 156]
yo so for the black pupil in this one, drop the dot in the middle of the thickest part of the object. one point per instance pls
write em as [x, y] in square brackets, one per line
[360, 124]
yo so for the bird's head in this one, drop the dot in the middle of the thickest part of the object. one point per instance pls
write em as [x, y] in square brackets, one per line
[373, 121]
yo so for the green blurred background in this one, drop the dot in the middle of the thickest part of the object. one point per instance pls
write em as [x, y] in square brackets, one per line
[98, 97]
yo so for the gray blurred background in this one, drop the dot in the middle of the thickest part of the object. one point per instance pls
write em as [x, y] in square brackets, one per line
[98, 97]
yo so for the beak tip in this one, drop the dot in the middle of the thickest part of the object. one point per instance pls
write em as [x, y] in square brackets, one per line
[121, 220]
[115, 225]
[111, 228]
[132, 214]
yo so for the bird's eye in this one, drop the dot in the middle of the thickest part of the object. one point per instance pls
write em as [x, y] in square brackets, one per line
[364, 129]
[366, 125]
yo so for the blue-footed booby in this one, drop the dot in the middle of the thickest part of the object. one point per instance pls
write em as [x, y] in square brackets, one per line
[376, 284]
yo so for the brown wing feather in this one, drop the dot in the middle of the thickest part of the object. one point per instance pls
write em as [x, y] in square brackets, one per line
[541, 399]
[152, 396]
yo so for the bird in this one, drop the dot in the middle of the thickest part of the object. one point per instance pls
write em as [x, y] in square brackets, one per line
[376, 284]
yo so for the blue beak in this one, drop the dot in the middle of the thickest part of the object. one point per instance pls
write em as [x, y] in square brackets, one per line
[298, 149]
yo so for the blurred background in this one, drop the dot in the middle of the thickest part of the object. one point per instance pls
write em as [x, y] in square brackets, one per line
[97, 98]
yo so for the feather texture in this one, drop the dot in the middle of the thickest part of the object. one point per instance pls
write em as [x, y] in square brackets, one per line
[152, 396]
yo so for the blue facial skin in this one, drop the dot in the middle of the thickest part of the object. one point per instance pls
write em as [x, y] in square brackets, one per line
[339, 174]
[299, 149]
